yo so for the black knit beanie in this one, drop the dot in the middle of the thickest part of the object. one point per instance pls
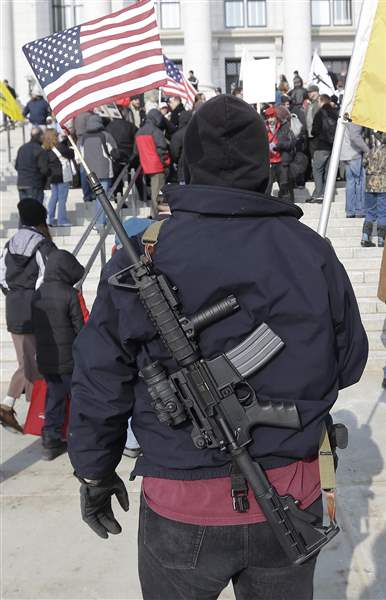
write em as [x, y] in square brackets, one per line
[31, 212]
[226, 144]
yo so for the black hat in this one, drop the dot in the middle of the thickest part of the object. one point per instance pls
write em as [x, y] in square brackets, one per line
[31, 212]
[226, 145]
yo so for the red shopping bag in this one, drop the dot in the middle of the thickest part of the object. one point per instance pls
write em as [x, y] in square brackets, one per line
[83, 307]
[35, 417]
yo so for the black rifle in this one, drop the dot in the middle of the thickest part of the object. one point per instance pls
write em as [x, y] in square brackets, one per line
[214, 394]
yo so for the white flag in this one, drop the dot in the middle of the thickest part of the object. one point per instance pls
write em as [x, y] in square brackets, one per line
[320, 77]
[245, 58]
[259, 80]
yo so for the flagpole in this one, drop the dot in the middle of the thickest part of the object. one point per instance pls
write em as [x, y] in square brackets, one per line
[97, 189]
[331, 177]
[343, 120]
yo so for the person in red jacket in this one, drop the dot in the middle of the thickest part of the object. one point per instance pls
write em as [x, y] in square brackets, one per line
[281, 149]
[152, 148]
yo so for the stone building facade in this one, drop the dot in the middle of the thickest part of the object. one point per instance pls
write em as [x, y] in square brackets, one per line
[208, 36]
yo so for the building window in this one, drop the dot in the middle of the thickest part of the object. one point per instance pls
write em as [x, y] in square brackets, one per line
[331, 12]
[342, 12]
[242, 13]
[232, 73]
[169, 14]
[65, 14]
[337, 67]
[320, 12]
[234, 13]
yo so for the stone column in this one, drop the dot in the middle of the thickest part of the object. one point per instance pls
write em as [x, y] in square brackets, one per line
[7, 42]
[196, 26]
[297, 47]
[93, 9]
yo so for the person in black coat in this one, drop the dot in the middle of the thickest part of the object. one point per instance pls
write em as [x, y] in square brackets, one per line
[37, 109]
[225, 235]
[31, 179]
[56, 164]
[177, 145]
[123, 133]
[173, 119]
[323, 132]
[281, 150]
[22, 265]
[57, 319]
[297, 96]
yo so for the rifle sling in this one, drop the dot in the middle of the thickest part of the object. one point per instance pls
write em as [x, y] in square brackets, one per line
[327, 473]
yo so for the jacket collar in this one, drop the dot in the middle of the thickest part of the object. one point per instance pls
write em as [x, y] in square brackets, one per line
[223, 201]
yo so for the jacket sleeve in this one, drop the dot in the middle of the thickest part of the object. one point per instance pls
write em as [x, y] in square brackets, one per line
[351, 345]
[3, 272]
[112, 146]
[102, 391]
[17, 161]
[161, 145]
[317, 124]
[66, 151]
[43, 163]
[176, 147]
[287, 143]
[382, 278]
[170, 128]
[75, 310]
[26, 110]
[355, 133]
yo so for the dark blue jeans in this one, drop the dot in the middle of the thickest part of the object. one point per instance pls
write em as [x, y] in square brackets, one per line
[59, 195]
[87, 193]
[189, 562]
[35, 193]
[375, 207]
[355, 187]
[58, 388]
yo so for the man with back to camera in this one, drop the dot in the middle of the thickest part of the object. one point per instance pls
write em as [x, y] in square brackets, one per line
[224, 236]
[30, 176]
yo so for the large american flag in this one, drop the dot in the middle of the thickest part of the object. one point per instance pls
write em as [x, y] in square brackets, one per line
[177, 84]
[100, 61]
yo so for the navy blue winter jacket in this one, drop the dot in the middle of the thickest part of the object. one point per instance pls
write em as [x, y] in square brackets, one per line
[219, 241]
[37, 110]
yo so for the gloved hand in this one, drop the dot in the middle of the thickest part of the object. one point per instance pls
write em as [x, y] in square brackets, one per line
[95, 504]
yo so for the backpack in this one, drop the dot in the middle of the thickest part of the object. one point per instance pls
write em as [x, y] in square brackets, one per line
[296, 125]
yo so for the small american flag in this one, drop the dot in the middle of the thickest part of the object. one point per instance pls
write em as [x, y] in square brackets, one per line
[177, 84]
[100, 61]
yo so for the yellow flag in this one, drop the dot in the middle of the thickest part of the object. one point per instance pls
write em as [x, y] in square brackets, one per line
[369, 104]
[8, 104]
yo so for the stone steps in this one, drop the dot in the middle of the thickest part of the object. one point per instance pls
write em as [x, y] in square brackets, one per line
[370, 306]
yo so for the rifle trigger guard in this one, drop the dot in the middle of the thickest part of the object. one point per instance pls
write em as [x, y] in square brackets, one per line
[117, 280]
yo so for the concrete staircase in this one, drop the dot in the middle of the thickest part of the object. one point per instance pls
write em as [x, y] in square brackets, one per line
[362, 264]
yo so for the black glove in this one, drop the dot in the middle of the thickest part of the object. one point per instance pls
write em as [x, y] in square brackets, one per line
[95, 504]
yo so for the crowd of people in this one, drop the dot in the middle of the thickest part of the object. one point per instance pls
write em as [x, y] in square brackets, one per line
[300, 126]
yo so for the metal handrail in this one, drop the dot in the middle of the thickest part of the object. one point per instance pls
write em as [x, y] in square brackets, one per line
[93, 221]
[8, 128]
[106, 232]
